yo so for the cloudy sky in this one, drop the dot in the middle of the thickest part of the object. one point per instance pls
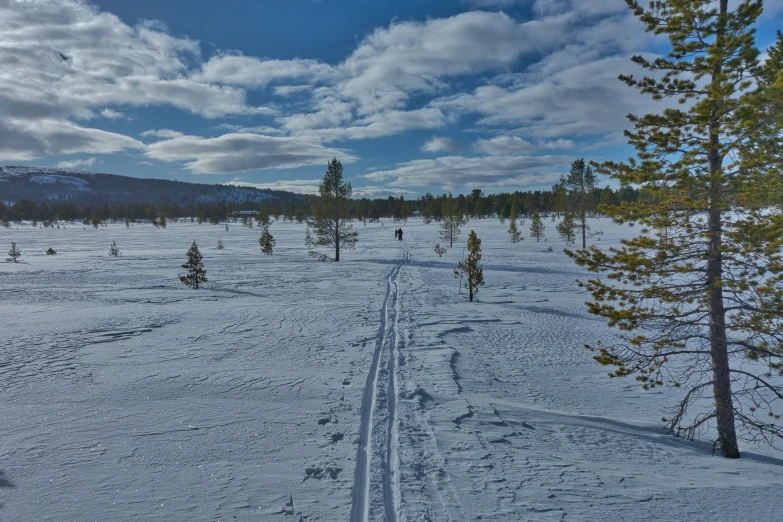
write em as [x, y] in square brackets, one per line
[411, 95]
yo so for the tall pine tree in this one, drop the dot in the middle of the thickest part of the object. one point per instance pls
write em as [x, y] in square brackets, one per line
[698, 296]
[451, 219]
[470, 267]
[330, 211]
[580, 184]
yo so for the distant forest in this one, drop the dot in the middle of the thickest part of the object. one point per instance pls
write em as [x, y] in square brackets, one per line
[476, 204]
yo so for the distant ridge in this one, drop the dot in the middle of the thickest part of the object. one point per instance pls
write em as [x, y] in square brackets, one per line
[41, 184]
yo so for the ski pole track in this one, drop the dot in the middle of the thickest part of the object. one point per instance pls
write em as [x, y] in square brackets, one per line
[376, 491]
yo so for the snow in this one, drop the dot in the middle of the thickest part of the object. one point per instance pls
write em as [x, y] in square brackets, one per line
[129, 396]
[81, 184]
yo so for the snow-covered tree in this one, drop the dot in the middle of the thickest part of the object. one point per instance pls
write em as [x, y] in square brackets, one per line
[220, 245]
[195, 268]
[439, 250]
[114, 250]
[470, 267]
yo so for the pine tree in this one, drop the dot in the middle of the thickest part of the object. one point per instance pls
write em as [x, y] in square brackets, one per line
[330, 212]
[14, 254]
[308, 237]
[536, 226]
[452, 219]
[700, 291]
[567, 228]
[195, 268]
[220, 244]
[513, 231]
[114, 250]
[471, 266]
[439, 250]
[580, 184]
[266, 241]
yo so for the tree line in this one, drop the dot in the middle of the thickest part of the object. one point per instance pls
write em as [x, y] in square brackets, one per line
[474, 205]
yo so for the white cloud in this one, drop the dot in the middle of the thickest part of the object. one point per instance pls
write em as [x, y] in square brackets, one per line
[502, 145]
[457, 173]
[248, 71]
[111, 114]
[580, 100]
[161, 133]
[441, 144]
[490, 4]
[382, 192]
[89, 162]
[242, 152]
[24, 140]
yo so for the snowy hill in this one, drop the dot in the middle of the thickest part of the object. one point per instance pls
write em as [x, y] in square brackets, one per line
[48, 184]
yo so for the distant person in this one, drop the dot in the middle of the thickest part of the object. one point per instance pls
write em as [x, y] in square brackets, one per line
[400, 235]
[396, 233]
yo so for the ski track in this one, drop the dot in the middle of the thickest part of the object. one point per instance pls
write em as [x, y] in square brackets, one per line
[376, 487]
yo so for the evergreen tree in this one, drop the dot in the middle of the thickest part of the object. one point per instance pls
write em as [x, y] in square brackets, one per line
[439, 250]
[452, 219]
[220, 244]
[114, 250]
[567, 228]
[195, 268]
[536, 226]
[266, 241]
[700, 291]
[580, 184]
[513, 231]
[308, 237]
[471, 266]
[14, 254]
[330, 211]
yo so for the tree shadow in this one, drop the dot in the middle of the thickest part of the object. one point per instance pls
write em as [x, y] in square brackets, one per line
[4, 482]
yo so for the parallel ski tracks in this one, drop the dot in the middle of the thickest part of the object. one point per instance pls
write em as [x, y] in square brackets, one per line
[375, 487]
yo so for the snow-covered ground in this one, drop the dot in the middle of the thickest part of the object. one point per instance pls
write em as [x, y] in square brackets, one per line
[127, 396]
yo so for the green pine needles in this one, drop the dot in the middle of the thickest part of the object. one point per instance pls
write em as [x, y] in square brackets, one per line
[698, 295]
[330, 222]
[195, 273]
[470, 267]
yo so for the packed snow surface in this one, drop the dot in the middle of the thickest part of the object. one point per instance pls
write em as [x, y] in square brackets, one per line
[289, 389]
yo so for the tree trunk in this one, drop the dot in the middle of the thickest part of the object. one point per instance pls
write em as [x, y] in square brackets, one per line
[724, 407]
[337, 237]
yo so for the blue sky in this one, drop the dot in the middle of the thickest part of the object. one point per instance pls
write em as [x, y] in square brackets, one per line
[412, 95]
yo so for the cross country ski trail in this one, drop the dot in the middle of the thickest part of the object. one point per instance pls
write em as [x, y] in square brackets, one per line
[376, 483]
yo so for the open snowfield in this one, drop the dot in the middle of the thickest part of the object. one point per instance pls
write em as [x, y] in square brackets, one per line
[127, 396]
